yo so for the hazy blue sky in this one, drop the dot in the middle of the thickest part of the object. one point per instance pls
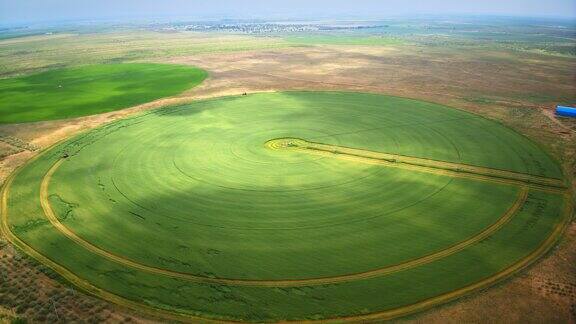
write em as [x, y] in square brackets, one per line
[50, 10]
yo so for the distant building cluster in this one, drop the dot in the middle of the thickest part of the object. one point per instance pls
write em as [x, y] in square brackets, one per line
[254, 28]
[262, 28]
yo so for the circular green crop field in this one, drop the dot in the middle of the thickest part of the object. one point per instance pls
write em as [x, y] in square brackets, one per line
[91, 89]
[289, 206]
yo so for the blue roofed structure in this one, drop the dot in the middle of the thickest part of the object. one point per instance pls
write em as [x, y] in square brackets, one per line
[566, 111]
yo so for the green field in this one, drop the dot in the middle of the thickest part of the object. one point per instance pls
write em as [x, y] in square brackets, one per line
[190, 211]
[92, 89]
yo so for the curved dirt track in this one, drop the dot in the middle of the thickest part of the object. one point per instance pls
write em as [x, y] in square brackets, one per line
[385, 315]
[51, 216]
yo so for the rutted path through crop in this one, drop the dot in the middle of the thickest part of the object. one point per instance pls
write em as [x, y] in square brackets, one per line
[420, 164]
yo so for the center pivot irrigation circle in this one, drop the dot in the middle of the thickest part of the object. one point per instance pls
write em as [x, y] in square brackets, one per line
[289, 206]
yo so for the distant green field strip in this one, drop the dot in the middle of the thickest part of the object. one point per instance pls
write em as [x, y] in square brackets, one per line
[92, 89]
[343, 40]
[257, 226]
[10, 40]
[420, 164]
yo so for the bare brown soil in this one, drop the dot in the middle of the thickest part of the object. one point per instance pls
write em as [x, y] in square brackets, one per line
[518, 89]
[434, 74]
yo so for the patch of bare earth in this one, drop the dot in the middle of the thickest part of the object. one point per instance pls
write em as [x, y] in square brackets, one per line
[434, 74]
[515, 88]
